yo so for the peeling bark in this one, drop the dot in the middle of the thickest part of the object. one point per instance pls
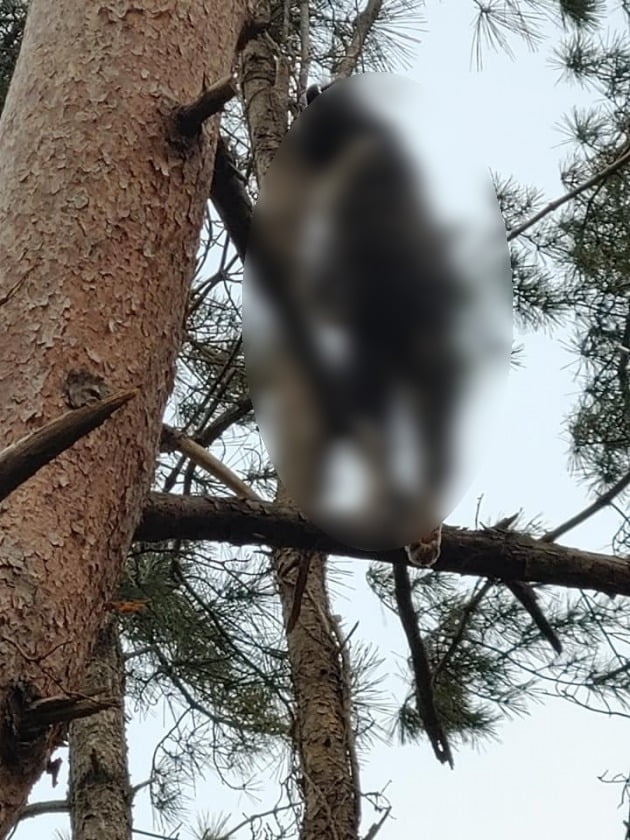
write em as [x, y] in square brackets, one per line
[100, 213]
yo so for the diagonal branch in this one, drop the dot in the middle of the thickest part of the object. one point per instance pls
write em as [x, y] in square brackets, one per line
[174, 439]
[620, 161]
[458, 635]
[232, 415]
[526, 596]
[423, 681]
[601, 502]
[21, 460]
[361, 28]
[189, 119]
[229, 195]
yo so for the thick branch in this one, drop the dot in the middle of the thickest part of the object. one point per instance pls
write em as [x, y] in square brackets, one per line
[487, 553]
[62, 709]
[190, 118]
[24, 458]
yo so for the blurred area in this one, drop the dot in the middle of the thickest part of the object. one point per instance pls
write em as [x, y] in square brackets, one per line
[377, 325]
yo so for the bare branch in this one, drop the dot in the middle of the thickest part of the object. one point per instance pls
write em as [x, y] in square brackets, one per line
[602, 501]
[62, 709]
[526, 596]
[206, 460]
[558, 202]
[376, 827]
[458, 635]
[21, 460]
[189, 119]
[507, 555]
[361, 27]
[173, 439]
[423, 680]
[37, 809]
[221, 424]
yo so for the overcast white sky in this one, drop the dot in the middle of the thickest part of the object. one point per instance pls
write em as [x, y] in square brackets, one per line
[541, 778]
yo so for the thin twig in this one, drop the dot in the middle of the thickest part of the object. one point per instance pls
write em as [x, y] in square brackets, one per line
[458, 635]
[558, 202]
[249, 820]
[601, 502]
[376, 827]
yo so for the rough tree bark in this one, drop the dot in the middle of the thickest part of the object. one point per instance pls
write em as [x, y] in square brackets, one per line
[323, 737]
[100, 212]
[100, 794]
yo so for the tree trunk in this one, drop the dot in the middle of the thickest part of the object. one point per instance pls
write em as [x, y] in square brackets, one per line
[99, 789]
[264, 82]
[323, 736]
[100, 211]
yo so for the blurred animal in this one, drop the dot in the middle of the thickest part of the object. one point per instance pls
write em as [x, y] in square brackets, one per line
[357, 274]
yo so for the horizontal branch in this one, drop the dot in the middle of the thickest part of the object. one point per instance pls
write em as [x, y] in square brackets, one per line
[37, 809]
[61, 709]
[492, 553]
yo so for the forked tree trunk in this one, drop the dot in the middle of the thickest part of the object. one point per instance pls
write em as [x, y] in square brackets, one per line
[99, 223]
